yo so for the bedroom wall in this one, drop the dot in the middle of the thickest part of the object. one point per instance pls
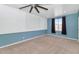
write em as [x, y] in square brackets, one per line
[13, 20]
[78, 26]
[49, 26]
[16, 25]
[71, 26]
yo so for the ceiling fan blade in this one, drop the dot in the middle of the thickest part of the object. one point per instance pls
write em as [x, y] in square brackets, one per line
[31, 9]
[24, 6]
[37, 9]
[42, 7]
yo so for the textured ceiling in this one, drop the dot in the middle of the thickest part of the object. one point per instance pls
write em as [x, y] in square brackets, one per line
[54, 10]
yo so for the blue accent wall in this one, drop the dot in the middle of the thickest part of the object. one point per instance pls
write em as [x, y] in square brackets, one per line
[49, 24]
[71, 25]
[6, 39]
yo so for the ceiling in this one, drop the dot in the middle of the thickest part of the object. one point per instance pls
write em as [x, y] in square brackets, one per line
[54, 10]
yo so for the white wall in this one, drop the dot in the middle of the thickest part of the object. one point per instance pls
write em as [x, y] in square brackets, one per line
[14, 20]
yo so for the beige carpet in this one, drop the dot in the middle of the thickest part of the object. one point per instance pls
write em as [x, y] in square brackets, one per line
[44, 45]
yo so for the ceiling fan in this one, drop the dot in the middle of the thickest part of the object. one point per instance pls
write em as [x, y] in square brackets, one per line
[35, 6]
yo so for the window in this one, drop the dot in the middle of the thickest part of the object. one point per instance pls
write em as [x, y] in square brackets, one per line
[58, 24]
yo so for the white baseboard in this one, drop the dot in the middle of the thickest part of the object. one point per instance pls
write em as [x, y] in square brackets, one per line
[21, 41]
[63, 37]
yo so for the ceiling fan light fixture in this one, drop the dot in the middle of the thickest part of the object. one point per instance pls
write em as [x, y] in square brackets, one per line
[34, 6]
